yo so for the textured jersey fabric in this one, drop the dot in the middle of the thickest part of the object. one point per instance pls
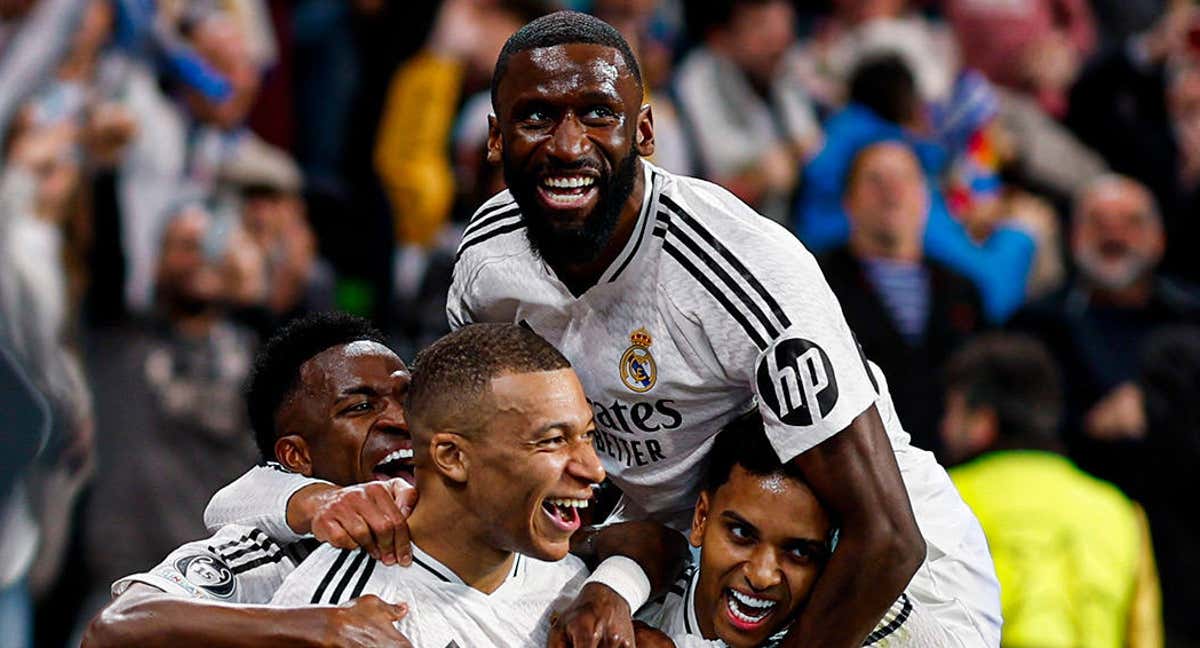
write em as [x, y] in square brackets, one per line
[443, 610]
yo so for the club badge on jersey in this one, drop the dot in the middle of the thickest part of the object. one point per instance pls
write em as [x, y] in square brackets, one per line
[638, 370]
[208, 572]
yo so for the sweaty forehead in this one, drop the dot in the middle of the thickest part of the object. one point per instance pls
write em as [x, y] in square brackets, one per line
[563, 70]
[347, 365]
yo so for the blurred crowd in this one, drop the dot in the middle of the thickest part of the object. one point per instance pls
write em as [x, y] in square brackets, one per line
[177, 178]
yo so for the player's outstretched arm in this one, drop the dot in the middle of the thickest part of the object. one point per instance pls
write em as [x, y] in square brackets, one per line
[144, 616]
[637, 560]
[880, 547]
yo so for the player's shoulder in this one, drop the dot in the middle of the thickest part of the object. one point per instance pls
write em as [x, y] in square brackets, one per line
[494, 231]
[549, 574]
[702, 209]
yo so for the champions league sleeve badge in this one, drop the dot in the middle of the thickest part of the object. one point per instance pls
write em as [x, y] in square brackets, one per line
[208, 573]
[638, 371]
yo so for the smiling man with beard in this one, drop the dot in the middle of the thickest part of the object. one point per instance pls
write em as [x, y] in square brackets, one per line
[1098, 324]
[680, 307]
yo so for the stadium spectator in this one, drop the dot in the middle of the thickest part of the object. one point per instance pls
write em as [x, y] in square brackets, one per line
[1097, 323]
[170, 426]
[907, 311]
[1117, 20]
[296, 279]
[1035, 46]
[885, 106]
[1072, 552]
[744, 107]
[1138, 105]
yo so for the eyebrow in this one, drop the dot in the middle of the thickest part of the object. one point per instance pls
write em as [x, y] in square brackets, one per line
[791, 542]
[357, 390]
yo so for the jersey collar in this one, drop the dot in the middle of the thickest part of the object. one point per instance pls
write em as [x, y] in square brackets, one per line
[422, 560]
[639, 239]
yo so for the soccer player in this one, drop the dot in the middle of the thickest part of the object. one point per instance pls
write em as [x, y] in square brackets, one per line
[764, 539]
[503, 448]
[679, 307]
[325, 401]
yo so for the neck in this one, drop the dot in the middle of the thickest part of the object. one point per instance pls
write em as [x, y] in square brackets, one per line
[446, 530]
[1135, 295]
[194, 325]
[865, 247]
[579, 277]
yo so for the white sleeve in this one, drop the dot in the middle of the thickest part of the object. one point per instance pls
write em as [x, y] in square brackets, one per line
[259, 499]
[458, 313]
[236, 565]
[777, 326]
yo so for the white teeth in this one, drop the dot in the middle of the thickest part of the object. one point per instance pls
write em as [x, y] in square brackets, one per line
[569, 503]
[737, 600]
[403, 453]
[569, 182]
[750, 601]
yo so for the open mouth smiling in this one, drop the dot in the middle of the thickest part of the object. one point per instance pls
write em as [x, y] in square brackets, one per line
[397, 463]
[747, 612]
[564, 512]
[567, 191]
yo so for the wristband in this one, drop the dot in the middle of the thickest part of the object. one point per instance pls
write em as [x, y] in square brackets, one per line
[626, 578]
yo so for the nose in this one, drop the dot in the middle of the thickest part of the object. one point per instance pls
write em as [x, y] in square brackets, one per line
[762, 570]
[585, 465]
[569, 141]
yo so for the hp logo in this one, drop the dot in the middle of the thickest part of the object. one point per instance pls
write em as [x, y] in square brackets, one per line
[795, 379]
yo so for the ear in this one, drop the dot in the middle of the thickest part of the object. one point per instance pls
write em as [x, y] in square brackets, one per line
[645, 131]
[699, 520]
[495, 144]
[292, 451]
[446, 454]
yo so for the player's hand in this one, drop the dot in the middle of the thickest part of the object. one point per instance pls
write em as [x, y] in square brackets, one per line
[597, 618]
[363, 622]
[648, 637]
[373, 516]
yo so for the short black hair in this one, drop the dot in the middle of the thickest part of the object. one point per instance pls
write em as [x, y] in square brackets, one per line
[1015, 376]
[563, 28]
[459, 367]
[276, 372]
[885, 84]
[743, 442]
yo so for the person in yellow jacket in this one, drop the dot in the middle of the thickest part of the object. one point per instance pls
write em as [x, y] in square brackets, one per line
[1072, 552]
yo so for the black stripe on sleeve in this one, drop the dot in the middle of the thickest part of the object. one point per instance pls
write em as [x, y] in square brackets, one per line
[712, 266]
[259, 562]
[483, 223]
[486, 211]
[333, 570]
[242, 540]
[895, 624]
[336, 597]
[505, 229]
[362, 580]
[715, 292]
[733, 261]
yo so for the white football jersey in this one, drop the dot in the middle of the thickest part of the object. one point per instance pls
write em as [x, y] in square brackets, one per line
[443, 611]
[905, 625]
[238, 564]
[709, 310]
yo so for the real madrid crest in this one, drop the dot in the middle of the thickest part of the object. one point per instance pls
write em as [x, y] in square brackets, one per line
[637, 365]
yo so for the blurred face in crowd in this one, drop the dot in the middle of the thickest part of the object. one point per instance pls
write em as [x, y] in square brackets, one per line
[965, 430]
[757, 37]
[1183, 100]
[187, 279]
[569, 127]
[1117, 238]
[859, 11]
[763, 541]
[345, 421]
[529, 472]
[887, 202]
[220, 42]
